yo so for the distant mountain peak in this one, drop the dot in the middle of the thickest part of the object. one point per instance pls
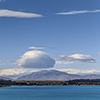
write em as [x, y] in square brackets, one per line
[49, 75]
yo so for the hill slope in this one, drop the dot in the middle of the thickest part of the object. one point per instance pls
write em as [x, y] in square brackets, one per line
[4, 78]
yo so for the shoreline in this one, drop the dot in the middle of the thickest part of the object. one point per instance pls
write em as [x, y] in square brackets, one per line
[78, 82]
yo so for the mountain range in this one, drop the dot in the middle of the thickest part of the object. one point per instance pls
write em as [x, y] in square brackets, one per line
[55, 75]
[4, 78]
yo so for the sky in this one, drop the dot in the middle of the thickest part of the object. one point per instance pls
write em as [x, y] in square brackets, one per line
[59, 34]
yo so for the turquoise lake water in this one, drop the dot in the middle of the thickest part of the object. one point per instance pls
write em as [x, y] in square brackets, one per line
[50, 93]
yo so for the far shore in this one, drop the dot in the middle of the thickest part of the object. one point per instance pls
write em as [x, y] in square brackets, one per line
[77, 82]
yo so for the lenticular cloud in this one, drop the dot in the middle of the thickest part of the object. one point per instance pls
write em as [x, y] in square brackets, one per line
[35, 59]
[77, 58]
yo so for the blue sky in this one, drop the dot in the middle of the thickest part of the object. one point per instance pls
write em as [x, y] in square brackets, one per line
[69, 34]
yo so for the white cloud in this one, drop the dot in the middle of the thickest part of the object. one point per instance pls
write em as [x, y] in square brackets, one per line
[80, 71]
[18, 14]
[78, 12]
[37, 48]
[63, 62]
[35, 59]
[41, 47]
[15, 71]
[77, 58]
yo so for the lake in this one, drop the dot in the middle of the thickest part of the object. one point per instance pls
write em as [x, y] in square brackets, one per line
[50, 93]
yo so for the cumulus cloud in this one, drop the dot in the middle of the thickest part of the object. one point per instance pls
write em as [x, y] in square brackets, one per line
[15, 71]
[35, 59]
[77, 58]
[78, 12]
[37, 48]
[18, 14]
[80, 71]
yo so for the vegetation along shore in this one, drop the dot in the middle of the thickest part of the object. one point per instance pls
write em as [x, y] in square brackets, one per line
[6, 83]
